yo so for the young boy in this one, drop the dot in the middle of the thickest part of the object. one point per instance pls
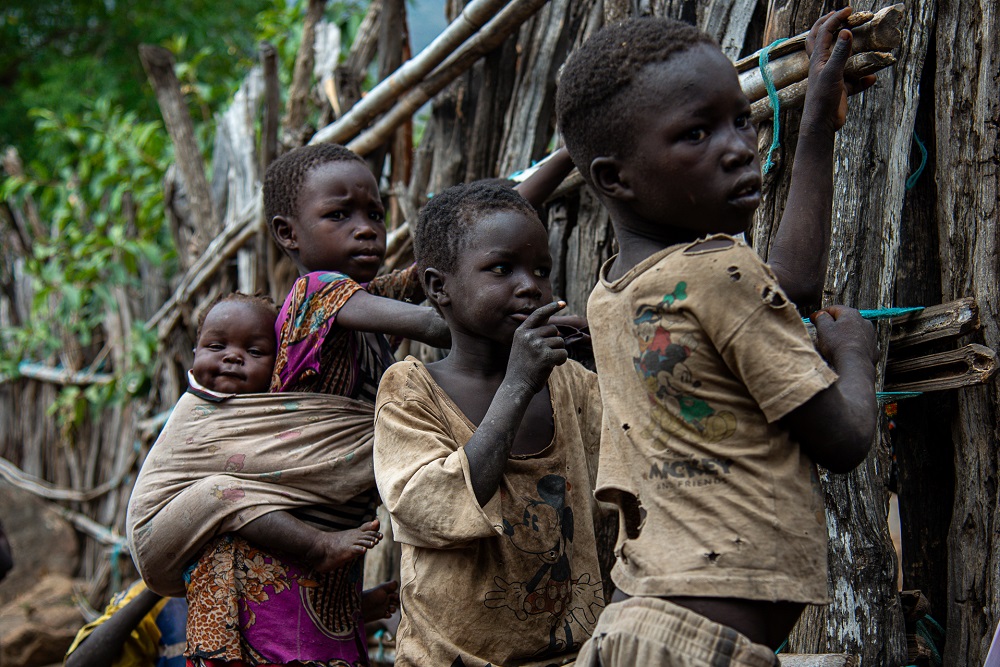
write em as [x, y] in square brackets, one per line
[486, 459]
[716, 403]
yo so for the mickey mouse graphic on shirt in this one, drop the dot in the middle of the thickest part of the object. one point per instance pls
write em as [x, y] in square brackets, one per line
[662, 365]
[546, 531]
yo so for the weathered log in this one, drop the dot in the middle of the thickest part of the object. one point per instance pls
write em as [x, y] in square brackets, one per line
[297, 109]
[872, 32]
[382, 96]
[490, 37]
[817, 660]
[939, 322]
[794, 95]
[967, 143]
[159, 65]
[348, 76]
[272, 109]
[969, 365]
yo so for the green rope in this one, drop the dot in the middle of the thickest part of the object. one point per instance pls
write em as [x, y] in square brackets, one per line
[886, 313]
[893, 396]
[772, 95]
[781, 648]
[912, 179]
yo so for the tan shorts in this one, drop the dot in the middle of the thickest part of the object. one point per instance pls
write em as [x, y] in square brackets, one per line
[650, 631]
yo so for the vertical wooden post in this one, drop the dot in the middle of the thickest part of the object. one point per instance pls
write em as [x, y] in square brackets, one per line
[967, 102]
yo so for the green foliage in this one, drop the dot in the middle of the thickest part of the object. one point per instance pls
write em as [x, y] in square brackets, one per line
[98, 185]
[60, 54]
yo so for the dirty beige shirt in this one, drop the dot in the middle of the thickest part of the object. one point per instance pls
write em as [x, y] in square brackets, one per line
[699, 355]
[516, 582]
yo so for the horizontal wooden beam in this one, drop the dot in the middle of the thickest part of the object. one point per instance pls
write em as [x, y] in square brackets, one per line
[941, 322]
[817, 660]
[969, 365]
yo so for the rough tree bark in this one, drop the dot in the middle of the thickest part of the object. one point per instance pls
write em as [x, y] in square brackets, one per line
[967, 101]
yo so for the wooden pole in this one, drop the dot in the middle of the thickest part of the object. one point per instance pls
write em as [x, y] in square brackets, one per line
[298, 95]
[382, 96]
[492, 35]
[159, 65]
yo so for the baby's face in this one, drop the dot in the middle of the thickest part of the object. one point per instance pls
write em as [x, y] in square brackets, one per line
[236, 349]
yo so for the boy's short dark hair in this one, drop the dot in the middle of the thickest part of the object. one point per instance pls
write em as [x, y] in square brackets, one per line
[261, 302]
[445, 220]
[596, 94]
[285, 176]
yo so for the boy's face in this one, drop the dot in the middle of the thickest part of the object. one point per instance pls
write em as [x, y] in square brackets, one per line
[341, 221]
[236, 348]
[502, 276]
[695, 169]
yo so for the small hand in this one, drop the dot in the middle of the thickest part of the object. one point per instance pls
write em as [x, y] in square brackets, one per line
[537, 348]
[510, 595]
[829, 46]
[841, 330]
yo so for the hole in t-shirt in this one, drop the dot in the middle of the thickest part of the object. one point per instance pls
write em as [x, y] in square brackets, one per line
[772, 297]
[625, 427]
[712, 557]
[734, 273]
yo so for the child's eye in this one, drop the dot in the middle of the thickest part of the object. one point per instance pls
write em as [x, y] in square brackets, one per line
[500, 269]
[696, 134]
[377, 215]
[743, 121]
[254, 352]
[336, 215]
[543, 272]
[216, 346]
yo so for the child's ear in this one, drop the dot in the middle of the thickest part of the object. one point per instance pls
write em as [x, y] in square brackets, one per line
[434, 287]
[284, 232]
[606, 174]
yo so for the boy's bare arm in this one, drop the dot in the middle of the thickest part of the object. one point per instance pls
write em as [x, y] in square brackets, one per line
[540, 185]
[837, 425]
[537, 349]
[367, 312]
[802, 243]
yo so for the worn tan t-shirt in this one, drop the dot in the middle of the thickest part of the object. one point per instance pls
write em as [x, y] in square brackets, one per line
[516, 582]
[699, 355]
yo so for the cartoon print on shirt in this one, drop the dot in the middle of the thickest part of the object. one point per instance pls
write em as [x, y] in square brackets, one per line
[662, 365]
[545, 530]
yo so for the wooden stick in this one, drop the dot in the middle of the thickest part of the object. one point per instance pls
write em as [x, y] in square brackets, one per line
[817, 660]
[272, 104]
[348, 76]
[159, 65]
[793, 95]
[221, 249]
[495, 32]
[941, 322]
[964, 367]
[64, 376]
[382, 96]
[39, 487]
[298, 94]
[872, 32]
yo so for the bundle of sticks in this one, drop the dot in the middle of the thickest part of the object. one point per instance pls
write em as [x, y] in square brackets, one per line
[875, 35]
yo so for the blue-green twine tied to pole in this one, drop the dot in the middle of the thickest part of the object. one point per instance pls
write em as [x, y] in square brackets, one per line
[893, 396]
[912, 178]
[772, 95]
[884, 313]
